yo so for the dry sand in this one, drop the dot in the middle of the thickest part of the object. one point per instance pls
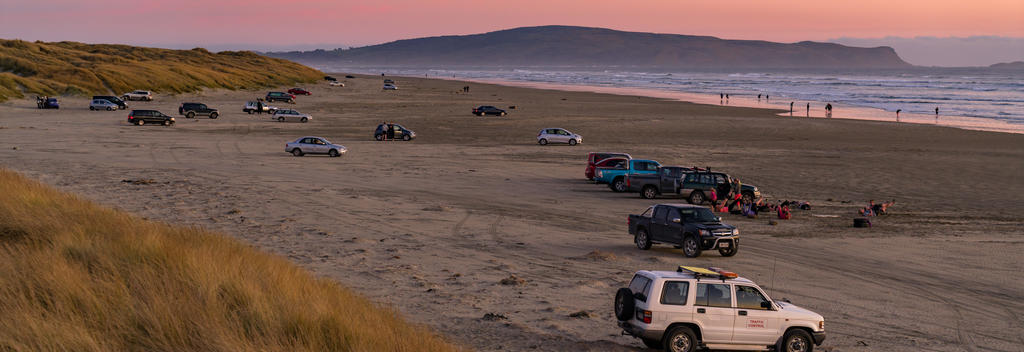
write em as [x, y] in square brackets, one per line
[433, 226]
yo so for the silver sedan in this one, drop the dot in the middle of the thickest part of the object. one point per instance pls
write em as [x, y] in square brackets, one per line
[314, 145]
[283, 115]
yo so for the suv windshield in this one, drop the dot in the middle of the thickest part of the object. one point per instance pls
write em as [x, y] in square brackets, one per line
[698, 215]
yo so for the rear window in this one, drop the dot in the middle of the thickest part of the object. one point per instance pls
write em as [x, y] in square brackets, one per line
[675, 292]
[640, 284]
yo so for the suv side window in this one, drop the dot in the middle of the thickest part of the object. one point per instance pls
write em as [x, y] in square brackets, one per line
[640, 284]
[714, 295]
[675, 292]
[748, 297]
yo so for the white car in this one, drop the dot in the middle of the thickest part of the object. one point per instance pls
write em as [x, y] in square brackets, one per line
[138, 95]
[336, 84]
[389, 86]
[282, 115]
[102, 104]
[558, 135]
[693, 308]
[314, 145]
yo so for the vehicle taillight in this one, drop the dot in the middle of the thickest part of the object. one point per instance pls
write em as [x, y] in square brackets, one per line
[644, 316]
[628, 220]
[627, 181]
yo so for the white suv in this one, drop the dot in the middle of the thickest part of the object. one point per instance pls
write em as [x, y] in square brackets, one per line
[138, 95]
[691, 308]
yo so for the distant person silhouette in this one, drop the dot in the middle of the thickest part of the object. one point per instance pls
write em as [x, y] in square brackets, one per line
[766, 97]
[790, 108]
[808, 109]
[936, 114]
[898, 114]
[758, 97]
[828, 110]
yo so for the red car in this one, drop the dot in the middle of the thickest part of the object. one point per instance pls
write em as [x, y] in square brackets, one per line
[594, 158]
[299, 91]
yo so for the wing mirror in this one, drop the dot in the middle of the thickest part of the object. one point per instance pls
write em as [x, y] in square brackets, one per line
[766, 305]
[676, 220]
[718, 218]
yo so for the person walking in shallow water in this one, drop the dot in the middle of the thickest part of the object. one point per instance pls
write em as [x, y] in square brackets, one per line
[790, 108]
[759, 97]
[936, 114]
[808, 109]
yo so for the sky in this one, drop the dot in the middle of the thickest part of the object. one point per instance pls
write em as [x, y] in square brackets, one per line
[308, 24]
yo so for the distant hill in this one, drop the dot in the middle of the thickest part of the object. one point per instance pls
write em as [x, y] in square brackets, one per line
[70, 68]
[583, 46]
[1016, 65]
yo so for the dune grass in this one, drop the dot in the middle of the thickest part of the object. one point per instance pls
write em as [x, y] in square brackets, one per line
[76, 276]
[71, 68]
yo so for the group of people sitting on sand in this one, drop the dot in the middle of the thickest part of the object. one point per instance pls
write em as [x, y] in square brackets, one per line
[876, 209]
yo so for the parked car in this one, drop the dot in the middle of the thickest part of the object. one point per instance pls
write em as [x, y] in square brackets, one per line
[299, 91]
[694, 308]
[350, 76]
[282, 115]
[337, 84]
[389, 81]
[393, 131]
[558, 135]
[595, 157]
[142, 117]
[389, 86]
[691, 227]
[138, 95]
[254, 107]
[279, 96]
[329, 78]
[314, 145]
[120, 103]
[190, 110]
[488, 110]
[47, 103]
[102, 104]
[667, 180]
[696, 186]
[615, 177]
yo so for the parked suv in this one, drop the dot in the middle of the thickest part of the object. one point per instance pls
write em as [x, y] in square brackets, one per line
[696, 187]
[695, 308]
[690, 227]
[595, 157]
[488, 110]
[558, 135]
[190, 110]
[142, 117]
[252, 107]
[279, 96]
[138, 95]
[120, 103]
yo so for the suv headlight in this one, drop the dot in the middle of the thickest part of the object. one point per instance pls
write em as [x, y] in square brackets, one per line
[821, 325]
[704, 232]
[600, 173]
[735, 232]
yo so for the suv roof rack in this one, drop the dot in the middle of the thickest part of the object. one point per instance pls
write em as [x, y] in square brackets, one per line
[712, 272]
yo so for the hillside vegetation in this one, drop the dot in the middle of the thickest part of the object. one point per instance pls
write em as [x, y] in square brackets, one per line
[75, 276]
[70, 68]
[569, 46]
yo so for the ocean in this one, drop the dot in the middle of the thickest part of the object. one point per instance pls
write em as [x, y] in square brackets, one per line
[970, 98]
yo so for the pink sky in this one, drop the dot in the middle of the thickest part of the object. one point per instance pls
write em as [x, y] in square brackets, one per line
[272, 23]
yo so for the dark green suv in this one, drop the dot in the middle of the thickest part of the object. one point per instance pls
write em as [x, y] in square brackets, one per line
[190, 110]
[280, 96]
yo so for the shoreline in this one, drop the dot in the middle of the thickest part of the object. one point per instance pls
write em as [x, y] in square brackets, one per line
[840, 111]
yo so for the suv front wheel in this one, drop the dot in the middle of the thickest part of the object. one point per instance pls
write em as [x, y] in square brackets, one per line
[795, 340]
[680, 339]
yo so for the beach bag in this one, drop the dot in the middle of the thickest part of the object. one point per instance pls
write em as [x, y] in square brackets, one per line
[861, 222]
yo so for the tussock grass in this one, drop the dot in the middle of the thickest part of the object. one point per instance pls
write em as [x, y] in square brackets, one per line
[75, 276]
[71, 68]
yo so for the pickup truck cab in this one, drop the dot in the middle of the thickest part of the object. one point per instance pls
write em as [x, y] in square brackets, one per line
[697, 186]
[594, 157]
[616, 177]
[690, 227]
[693, 308]
[667, 179]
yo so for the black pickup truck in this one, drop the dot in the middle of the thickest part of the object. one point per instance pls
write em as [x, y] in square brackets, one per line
[693, 185]
[690, 227]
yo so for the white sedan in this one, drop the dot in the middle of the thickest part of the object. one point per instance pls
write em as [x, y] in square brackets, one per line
[282, 115]
[314, 145]
[336, 84]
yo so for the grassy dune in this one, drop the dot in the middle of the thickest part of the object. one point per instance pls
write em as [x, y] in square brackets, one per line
[70, 68]
[80, 277]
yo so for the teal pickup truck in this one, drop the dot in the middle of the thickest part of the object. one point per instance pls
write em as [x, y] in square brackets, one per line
[615, 177]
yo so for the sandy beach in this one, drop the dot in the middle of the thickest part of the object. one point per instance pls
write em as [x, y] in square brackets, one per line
[433, 226]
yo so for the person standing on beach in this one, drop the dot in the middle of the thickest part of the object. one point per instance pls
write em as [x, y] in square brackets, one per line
[828, 110]
[790, 108]
[808, 109]
[767, 97]
[758, 97]
[259, 106]
[898, 114]
[936, 114]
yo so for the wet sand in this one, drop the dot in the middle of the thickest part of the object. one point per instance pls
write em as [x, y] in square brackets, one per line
[433, 226]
